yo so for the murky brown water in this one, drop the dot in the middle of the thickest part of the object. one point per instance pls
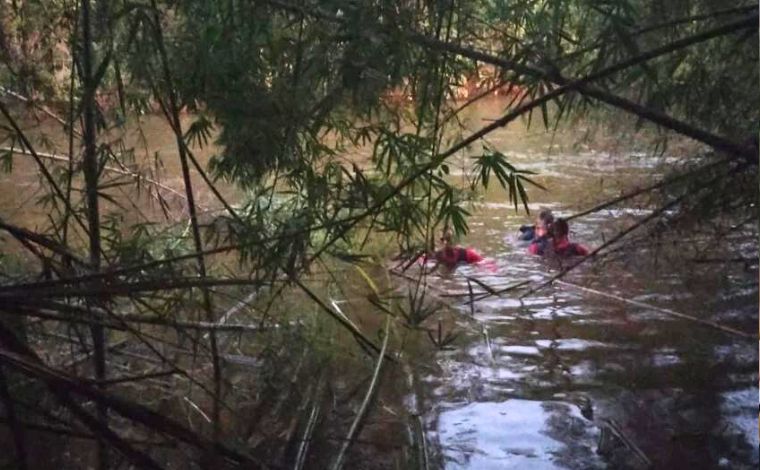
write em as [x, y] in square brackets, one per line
[516, 386]
[511, 391]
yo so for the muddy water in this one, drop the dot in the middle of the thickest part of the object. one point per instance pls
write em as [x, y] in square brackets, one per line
[571, 378]
[146, 147]
[543, 382]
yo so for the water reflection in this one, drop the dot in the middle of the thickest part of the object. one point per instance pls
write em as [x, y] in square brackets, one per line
[517, 434]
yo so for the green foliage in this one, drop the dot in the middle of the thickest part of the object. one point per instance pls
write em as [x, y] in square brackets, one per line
[288, 94]
[199, 132]
[509, 177]
[336, 119]
[6, 160]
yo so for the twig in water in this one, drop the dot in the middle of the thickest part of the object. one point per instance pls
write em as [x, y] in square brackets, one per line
[615, 429]
[423, 442]
[120, 171]
[197, 408]
[488, 341]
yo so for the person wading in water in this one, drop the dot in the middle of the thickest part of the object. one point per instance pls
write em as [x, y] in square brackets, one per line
[450, 256]
[538, 230]
[559, 244]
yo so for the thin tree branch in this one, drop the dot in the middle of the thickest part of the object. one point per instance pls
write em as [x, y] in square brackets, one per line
[660, 184]
[580, 85]
[132, 174]
[173, 109]
[44, 311]
[661, 119]
[23, 359]
[42, 108]
[666, 24]
[41, 240]
[344, 322]
[667, 311]
[45, 173]
[338, 464]
[73, 433]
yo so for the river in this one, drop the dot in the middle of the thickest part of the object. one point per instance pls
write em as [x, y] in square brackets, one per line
[534, 383]
[573, 376]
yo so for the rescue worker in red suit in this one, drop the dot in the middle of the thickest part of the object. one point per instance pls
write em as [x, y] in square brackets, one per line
[450, 256]
[559, 244]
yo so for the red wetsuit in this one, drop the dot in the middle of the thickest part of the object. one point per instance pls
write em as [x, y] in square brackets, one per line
[565, 248]
[539, 245]
[561, 248]
[453, 256]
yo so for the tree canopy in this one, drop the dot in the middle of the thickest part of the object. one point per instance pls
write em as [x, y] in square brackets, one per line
[337, 120]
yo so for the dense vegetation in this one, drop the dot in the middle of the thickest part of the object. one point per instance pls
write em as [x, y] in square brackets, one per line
[285, 92]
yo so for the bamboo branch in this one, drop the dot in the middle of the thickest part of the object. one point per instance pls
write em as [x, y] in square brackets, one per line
[581, 85]
[90, 169]
[122, 288]
[72, 77]
[23, 359]
[666, 24]
[72, 433]
[338, 464]
[135, 378]
[41, 240]
[661, 119]
[618, 432]
[173, 115]
[660, 184]
[132, 174]
[311, 425]
[341, 319]
[39, 106]
[45, 172]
